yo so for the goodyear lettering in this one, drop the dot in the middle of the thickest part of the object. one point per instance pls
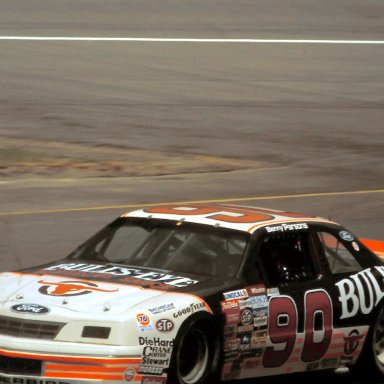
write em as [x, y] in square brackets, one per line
[172, 280]
[189, 310]
[361, 292]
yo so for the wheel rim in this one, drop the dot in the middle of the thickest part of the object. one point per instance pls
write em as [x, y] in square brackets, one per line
[378, 340]
[193, 356]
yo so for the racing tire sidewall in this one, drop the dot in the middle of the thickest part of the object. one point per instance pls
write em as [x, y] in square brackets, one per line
[195, 358]
[368, 364]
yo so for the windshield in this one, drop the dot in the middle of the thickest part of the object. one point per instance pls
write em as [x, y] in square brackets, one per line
[167, 245]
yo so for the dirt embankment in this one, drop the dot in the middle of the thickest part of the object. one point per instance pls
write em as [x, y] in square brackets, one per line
[26, 158]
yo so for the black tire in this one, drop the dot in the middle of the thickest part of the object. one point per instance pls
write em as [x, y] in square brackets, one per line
[196, 353]
[370, 364]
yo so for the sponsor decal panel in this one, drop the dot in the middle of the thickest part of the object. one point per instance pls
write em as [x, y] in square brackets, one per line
[156, 351]
[245, 329]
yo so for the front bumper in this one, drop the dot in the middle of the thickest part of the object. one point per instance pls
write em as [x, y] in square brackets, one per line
[28, 361]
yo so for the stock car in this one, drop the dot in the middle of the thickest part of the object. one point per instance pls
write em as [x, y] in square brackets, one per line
[196, 294]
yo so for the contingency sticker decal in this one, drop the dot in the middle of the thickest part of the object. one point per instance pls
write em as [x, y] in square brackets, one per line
[245, 329]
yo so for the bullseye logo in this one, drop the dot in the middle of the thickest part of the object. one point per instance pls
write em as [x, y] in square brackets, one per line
[69, 288]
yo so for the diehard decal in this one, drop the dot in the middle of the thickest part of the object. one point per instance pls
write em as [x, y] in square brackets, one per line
[156, 352]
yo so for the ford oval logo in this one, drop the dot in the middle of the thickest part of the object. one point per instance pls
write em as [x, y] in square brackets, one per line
[35, 309]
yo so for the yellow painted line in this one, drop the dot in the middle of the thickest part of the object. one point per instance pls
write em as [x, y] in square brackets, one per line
[228, 200]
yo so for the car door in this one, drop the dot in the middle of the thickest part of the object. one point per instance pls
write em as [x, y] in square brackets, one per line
[301, 313]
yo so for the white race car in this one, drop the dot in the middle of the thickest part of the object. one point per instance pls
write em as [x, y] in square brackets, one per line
[194, 295]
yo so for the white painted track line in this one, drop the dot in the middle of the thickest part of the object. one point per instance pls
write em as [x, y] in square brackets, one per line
[191, 40]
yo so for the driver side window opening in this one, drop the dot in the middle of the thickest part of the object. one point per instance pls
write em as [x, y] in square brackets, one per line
[339, 259]
[287, 258]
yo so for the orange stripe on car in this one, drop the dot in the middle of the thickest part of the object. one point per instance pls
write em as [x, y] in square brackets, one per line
[374, 245]
[77, 375]
[79, 359]
[84, 368]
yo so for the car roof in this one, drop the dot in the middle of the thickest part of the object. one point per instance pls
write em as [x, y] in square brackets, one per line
[243, 218]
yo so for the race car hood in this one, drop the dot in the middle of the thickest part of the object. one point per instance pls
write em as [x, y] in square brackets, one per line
[88, 288]
[70, 294]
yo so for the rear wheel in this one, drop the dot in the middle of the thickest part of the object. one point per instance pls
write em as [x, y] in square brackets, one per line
[196, 354]
[371, 360]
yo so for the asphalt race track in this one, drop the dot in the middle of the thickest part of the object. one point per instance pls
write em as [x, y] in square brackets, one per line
[285, 111]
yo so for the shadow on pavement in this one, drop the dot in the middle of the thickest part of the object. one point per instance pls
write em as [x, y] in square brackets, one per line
[312, 378]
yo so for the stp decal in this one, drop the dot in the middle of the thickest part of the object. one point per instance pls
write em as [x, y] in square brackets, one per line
[70, 288]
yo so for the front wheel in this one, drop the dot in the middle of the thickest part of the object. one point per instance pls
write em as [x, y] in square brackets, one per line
[196, 354]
